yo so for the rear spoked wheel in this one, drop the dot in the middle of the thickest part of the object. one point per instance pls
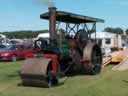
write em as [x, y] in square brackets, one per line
[93, 64]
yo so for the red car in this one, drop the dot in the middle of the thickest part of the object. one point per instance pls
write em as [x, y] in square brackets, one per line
[15, 52]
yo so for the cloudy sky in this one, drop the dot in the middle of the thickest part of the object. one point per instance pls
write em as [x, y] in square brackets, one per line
[24, 14]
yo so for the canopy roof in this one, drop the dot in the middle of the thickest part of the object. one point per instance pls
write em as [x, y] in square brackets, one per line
[71, 17]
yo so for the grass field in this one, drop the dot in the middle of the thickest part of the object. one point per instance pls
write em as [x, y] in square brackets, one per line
[108, 83]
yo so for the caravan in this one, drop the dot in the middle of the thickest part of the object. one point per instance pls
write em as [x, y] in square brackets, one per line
[108, 41]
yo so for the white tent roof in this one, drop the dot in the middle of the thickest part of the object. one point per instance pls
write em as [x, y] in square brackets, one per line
[101, 35]
[44, 35]
[2, 36]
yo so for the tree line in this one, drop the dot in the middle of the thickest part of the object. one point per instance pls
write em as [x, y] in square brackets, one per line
[33, 34]
[116, 30]
[23, 34]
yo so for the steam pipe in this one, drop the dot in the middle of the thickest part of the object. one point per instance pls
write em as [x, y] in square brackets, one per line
[52, 25]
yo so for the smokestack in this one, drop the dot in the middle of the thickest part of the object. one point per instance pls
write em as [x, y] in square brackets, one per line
[52, 24]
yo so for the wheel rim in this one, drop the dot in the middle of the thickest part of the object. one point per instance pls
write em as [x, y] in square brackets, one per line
[14, 58]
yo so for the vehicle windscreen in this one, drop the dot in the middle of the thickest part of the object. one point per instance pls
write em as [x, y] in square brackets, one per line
[7, 47]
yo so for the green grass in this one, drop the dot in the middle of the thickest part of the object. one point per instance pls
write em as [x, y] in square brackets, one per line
[108, 83]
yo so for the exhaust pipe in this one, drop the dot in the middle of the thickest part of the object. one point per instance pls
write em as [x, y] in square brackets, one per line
[52, 25]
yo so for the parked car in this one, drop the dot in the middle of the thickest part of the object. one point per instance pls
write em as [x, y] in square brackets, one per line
[15, 52]
[15, 41]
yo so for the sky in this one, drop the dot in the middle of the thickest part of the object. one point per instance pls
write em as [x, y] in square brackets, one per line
[25, 14]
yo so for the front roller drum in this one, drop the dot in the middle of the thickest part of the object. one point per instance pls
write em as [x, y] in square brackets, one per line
[38, 72]
[93, 58]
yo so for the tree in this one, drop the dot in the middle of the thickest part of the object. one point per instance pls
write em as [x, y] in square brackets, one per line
[126, 31]
[23, 34]
[109, 29]
[118, 30]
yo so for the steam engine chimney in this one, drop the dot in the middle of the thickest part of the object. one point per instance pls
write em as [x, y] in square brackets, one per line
[52, 24]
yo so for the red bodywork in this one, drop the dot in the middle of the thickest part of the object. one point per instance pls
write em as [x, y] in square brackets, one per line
[54, 61]
[53, 57]
[21, 51]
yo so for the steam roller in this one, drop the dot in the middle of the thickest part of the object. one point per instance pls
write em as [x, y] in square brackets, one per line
[63, 53]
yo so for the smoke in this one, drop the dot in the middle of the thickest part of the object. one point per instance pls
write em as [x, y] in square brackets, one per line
[46, 3]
